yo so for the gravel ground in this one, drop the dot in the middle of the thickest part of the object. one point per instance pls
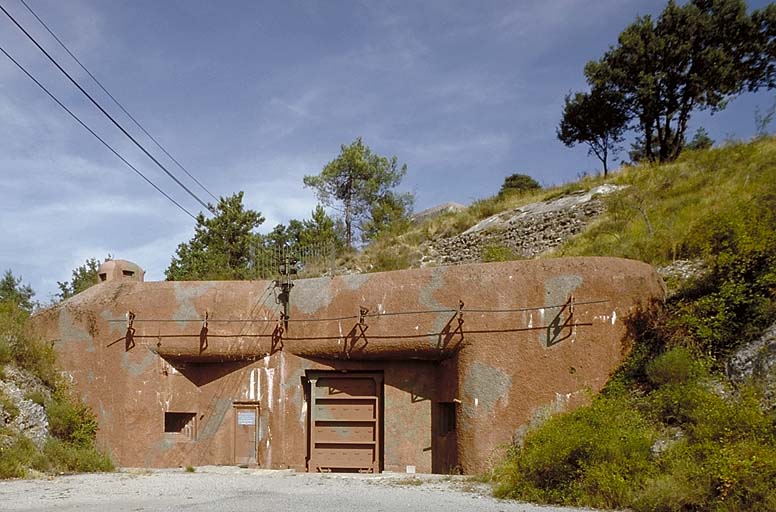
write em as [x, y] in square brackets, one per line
[228, 489]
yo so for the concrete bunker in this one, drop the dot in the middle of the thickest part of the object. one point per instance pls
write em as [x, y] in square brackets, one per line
[111, 270]
[427, 370]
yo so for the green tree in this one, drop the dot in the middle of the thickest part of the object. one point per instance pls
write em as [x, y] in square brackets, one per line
[84, 276]
[637, 152]
[518, 183]
[355, 182]
[700, 140]
[222, 245]
[694, 56]
[598, 119]
[317, 231]
[391, 212]
[283, 236]
[13, 291]
[320, 229]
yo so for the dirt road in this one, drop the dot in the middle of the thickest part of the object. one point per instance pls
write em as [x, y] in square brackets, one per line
[228, 489]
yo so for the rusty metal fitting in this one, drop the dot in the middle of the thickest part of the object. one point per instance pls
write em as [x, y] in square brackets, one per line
[362, 312]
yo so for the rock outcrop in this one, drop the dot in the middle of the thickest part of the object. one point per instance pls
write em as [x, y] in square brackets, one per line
[756, 362]
[527, 231]
[435, 211]
[20, 411]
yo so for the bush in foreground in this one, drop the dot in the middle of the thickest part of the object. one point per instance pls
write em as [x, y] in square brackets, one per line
[685, 442]
[72, 424]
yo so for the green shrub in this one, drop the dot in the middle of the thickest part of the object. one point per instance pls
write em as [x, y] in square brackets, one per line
[677, 366]
[497, 253]
[518, 184]
[735, 300]
[57, 456]
[72, 423]
[593, 456]
[36, 397]
[484, 208]
[6, 354]
[385, 257]
[16, 458]
[678, 486]
[8, 405]
[25, 351]
[71, 420]
[73, 457]
[722, 457]
[736, 476]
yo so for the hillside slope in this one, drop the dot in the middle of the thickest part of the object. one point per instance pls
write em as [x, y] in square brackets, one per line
[671, 431]
[657, 216]
[42, 428]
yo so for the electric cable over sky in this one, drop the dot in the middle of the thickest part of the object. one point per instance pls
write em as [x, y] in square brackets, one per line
[123, 109]
[105, 112]
[74, 116]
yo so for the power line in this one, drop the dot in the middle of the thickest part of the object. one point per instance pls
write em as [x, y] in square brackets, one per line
[105, 112]
[95, 134]
[158, 144]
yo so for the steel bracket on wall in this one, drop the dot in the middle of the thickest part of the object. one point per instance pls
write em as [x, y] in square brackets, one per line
[286, 270]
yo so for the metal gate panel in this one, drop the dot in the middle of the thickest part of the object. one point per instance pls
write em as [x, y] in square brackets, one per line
[345, 422]
[246, 420]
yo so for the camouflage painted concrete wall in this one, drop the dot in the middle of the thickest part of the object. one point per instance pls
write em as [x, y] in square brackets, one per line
[517, 350]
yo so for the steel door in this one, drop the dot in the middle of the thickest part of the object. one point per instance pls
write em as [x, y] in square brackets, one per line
[246, 418]
[345, 422]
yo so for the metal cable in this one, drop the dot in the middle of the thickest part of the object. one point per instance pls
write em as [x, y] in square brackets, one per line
[368, 337]
[515, 310]
[58, 40]
[419, 312]
[164, 336]
[105, 112]
[56, 100]
[194, 320]
[332, 319]
[373, 315]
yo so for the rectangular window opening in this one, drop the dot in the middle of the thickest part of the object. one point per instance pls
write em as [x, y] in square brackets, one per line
[103, 276]
[128, 273]
[183, 423]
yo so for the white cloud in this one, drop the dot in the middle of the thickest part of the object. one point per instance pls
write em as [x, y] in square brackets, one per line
[472, 148]
[454, 89]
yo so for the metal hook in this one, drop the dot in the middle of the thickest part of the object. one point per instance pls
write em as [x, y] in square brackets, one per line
[284, 318]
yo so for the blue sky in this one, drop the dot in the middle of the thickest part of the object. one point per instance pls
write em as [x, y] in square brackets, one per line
[253, 95]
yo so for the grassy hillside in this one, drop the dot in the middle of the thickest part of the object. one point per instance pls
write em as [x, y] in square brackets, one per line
[669, 432]
[659, 218]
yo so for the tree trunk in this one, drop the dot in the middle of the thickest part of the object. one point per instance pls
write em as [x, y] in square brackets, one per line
[606, 155]
[348, 225]
[648, 138]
